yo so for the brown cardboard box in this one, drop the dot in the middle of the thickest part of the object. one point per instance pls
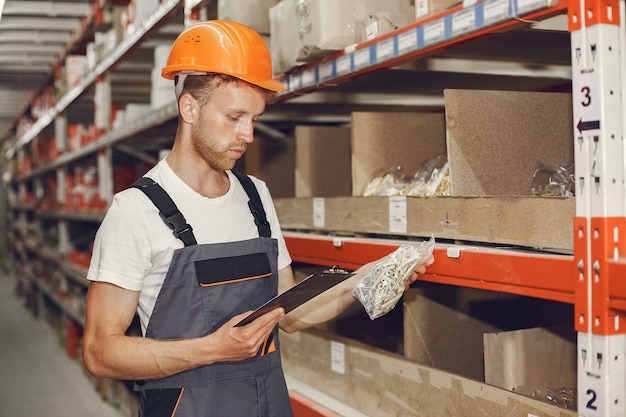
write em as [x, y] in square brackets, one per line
[382, 384]
[323, 161]
[272, 159]
[532, 361]
[495, 138]
[439, 334]
[382, 141]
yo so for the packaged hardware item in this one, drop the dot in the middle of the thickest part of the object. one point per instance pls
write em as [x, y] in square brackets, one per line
[551, 180]
[431, 179]
[392, 182]
[381, 288]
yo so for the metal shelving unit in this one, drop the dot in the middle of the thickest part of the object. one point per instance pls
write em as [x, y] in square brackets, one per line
[591, 278]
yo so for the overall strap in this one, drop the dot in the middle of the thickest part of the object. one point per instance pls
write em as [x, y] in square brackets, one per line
[168, 211]
[255, 204]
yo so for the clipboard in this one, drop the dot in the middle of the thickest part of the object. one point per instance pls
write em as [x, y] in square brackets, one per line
[300, 293]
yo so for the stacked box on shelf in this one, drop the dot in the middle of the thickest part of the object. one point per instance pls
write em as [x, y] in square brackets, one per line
[303, 31]
[272, 159]
[425, 8]
[252, 13]
[162, 91]
[380, 383]
[323, 161]
[496, 139]
[137, 12]
[493, 141]
[535, 362]
[75, 68]
[389, 141]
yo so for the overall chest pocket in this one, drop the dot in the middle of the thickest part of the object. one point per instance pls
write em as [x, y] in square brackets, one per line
[232, 269]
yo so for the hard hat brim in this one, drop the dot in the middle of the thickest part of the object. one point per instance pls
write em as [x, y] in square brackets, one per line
[270, 84]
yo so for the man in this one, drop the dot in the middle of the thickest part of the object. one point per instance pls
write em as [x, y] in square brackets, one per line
[226, 256]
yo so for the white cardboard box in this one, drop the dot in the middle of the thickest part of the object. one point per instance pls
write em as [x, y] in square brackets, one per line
[306, 30]
[252, 13]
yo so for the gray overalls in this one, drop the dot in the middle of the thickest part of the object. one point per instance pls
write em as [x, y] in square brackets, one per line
[205, 286]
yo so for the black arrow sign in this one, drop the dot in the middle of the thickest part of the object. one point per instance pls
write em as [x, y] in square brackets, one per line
[590, 125]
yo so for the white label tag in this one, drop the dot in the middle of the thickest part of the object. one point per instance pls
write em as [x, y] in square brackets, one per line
[338, 357]
[463, 21]
[434, 32]
[407, 41]
[495, 11]
[397, 214]
[319, 212]
[384, 50]
[343, 65]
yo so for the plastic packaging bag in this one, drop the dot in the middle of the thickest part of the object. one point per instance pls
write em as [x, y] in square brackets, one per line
[389, 183]
[381, 288]
[431, 179]
[553, 180]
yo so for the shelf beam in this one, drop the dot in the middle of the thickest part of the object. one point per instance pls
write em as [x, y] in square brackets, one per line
[421, 39]
[532, 274]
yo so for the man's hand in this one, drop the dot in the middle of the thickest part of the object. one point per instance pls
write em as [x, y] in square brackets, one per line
[238, 343]
[420, 269]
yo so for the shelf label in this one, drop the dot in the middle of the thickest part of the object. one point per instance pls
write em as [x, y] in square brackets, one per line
[407, 41]
[338, 357]
[362, 58]
[319, 212]
[526, 6]
[590, 381]
[495, 11]
[463, 21]
[343, 65]
[434, 32]
[587, 102]
[309, 77]
[326, 71]
[385, 50]
[397, 214]
[295, 82]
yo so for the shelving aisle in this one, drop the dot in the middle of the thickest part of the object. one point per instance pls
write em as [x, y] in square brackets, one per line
[38, 378]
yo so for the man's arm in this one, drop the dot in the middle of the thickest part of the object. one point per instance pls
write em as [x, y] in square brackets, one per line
[330, 303]
[108, 352]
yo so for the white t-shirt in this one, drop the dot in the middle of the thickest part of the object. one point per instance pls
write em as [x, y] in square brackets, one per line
[133, 246]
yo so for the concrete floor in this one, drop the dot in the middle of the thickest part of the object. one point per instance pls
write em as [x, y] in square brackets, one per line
[37, 377]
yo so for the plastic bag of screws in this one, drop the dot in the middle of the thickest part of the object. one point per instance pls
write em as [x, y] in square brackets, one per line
[381, 288]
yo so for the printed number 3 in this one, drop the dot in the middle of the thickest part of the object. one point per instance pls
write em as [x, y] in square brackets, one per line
[587, 101]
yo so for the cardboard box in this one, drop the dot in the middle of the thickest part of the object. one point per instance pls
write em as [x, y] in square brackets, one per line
[271, 159]
[306, 30]
[323, 161]
[532, 361]
[382, 141]
[522, 221]
[378, 24]
[438, 333]
[252, 13]
[496, 138]
[75, 68]
[382, 384]
[425, 8]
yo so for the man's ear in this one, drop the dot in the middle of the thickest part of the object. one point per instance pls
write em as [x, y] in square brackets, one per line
[188, 108]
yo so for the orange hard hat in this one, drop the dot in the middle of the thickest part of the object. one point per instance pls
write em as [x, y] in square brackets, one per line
[223, 47]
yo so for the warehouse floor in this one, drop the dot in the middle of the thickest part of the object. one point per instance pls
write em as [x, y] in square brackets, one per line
[38, 378]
